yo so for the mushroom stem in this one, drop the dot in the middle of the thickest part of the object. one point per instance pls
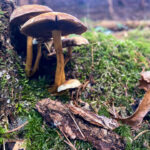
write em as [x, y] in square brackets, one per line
[29, 56]
[69, 55]
[36, 64]
[60, 73]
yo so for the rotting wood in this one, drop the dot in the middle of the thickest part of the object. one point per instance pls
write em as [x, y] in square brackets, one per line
[94, 119]
[56, 113]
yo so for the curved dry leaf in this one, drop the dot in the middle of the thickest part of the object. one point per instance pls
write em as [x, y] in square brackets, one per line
[137, 118]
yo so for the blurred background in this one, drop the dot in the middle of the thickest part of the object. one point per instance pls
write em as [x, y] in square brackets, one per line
[98, 9]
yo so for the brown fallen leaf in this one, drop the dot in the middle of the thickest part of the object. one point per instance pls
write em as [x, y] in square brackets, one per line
[137, 118]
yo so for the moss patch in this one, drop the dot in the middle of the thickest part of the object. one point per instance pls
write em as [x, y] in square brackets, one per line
[116, 71]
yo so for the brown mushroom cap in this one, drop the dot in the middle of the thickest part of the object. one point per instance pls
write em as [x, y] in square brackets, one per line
[25, 12]
[43, 25]
[74, 41]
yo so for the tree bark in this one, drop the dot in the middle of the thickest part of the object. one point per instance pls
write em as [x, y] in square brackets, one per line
[75, 125]
[6, 6]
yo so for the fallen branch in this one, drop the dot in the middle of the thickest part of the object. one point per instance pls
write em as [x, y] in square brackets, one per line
[56, 113]
[94, 119]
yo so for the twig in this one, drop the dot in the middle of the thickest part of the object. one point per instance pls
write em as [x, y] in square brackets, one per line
[77, 94]
[69, 55]
[51, 54]
[71, 145]
[113, 109]
[126, 90]
[16, 129]
[48, 45]
[85, 85]
[68, 141]
[82, 87]
[4, 145]
[59, 134]
[12, 93]
[140, 134]
[76, 124]
[92, 66]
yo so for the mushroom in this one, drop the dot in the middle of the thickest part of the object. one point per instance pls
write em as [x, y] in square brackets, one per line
[70, 84]
[71, 42]
[19, 17]
[54, 24]
[68, 43]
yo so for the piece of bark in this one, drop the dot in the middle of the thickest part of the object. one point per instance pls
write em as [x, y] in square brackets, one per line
[6, 7]
[58, 114]
[15, 145]
[94, 119]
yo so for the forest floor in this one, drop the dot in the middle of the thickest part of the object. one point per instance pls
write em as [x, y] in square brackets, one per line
[114, 64]
[115, 67]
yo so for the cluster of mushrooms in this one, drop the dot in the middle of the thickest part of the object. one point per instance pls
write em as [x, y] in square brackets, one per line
[40, 23]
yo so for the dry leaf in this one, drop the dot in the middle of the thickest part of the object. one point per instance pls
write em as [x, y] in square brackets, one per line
[143, 108]
[145, 81]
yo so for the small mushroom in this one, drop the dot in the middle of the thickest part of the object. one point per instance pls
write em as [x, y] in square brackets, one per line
[54, 24]
[19, 17]
[69, 43]
[73, 85]
[74, 41]
[70, 84]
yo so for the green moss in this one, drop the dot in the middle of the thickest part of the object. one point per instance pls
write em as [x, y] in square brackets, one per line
[103, 111]
[41, 137]
[117, 65]
[2, 131]
[125, 132]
